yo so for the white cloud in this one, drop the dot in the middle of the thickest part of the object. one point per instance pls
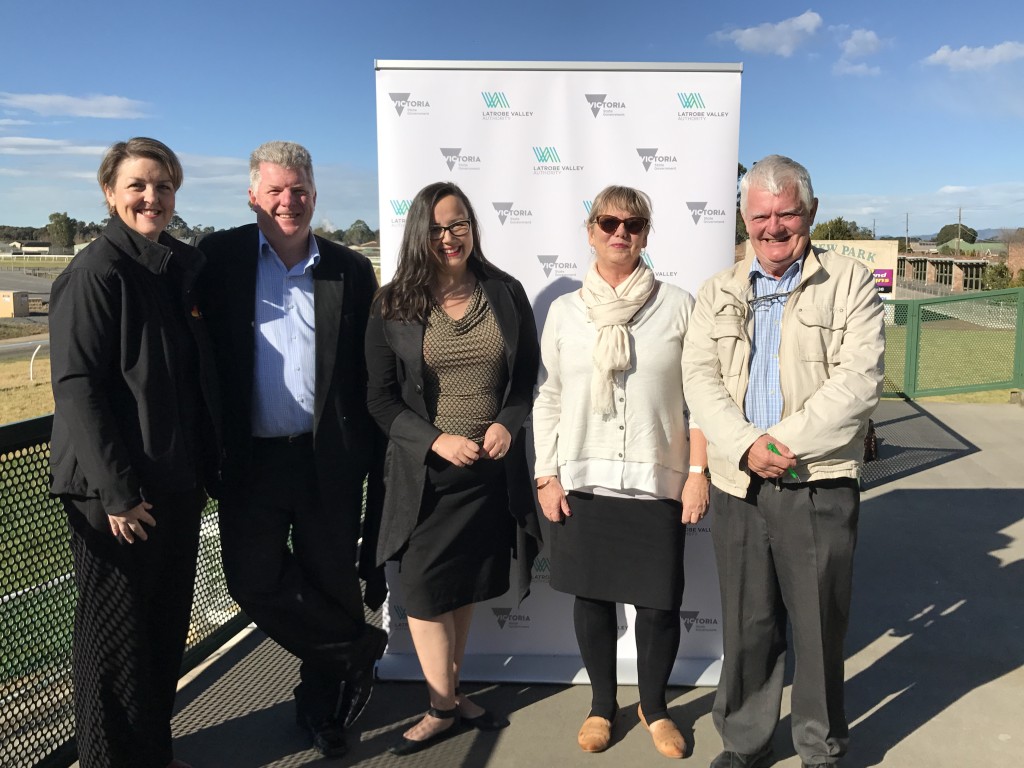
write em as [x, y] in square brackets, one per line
[858, 44]
[861, 43]
[58, 104]
[781, 39]
[951, 189]
[965, 58]
[25, 145]
[6, 122]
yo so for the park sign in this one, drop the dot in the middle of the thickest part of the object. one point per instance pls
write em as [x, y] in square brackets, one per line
[878, 256]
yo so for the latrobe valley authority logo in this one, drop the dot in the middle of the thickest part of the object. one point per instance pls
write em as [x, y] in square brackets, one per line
[701, 214]
[454, 156]
[547, 162]
[601, 105]
[400, 208]
[645, 255]
[692, 108]
[651, 158]
[692, 620]
[553, 265]
[541, 573]
[405, 105]
[509, 213]
[508, 620]
[497, 107]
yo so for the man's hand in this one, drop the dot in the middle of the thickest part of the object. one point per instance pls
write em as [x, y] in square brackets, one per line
[460, 451]
[763, 462]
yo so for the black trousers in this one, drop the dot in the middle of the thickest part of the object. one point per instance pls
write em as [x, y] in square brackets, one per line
[131, 623]
[305, 596]
[785, 554]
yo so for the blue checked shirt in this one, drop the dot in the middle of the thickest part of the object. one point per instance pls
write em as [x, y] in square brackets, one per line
[285, 354]
[763, 401]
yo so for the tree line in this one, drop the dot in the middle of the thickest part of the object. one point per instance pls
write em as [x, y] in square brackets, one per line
[63, 232]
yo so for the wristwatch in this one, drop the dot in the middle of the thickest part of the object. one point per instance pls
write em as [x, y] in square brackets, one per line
[697, 469]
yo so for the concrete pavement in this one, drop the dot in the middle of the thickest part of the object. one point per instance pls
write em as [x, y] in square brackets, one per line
[934, 655]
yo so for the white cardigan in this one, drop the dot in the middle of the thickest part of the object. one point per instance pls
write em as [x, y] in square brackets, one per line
[644, 445]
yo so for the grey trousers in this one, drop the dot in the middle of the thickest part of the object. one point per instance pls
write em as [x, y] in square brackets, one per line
[785, 553]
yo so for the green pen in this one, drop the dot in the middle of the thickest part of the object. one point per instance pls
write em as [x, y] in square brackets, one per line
[792, 472]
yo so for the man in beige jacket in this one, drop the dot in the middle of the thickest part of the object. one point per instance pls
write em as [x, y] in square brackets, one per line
[782, 367]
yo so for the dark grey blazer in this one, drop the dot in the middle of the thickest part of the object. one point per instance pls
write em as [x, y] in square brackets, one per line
[394, 362]
[343, 433]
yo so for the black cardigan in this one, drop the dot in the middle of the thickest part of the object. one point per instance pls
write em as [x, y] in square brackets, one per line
[394, 362]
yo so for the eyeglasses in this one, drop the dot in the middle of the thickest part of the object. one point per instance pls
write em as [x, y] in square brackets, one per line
[768, 298]
[610, 224]
[457, 228]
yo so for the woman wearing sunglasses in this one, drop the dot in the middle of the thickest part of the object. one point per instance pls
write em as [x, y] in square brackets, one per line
[619, 471]
[452, 357]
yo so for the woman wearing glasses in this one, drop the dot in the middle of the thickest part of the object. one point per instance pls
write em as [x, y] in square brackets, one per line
[452, 357]
[619, 472]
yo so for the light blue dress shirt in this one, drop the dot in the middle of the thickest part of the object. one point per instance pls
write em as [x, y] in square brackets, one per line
[285, 353]
[763, 401]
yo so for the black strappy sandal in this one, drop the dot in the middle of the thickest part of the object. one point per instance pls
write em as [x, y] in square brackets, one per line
[404, 746]
[487, 721]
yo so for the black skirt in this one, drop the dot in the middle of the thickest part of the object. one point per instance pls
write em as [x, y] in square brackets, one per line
[460, 551]
[621, 550]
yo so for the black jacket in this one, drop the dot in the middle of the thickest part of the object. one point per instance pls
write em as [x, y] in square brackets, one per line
[346, 443]
[134, 388]
[394, 353]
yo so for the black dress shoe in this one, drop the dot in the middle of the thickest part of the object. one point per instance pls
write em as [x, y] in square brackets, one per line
[763, 758]
[357, 689]
[328, 737]
[404, 746]
[486, 721]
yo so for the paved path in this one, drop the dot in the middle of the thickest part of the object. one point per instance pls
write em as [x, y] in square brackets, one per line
[935, 655]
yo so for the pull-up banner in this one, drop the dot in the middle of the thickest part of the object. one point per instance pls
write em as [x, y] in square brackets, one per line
[531, 144]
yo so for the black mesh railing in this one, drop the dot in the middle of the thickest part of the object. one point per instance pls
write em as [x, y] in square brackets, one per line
[37, 603]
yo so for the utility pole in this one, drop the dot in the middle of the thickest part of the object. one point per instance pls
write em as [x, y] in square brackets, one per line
[906, 244]
[959, 230]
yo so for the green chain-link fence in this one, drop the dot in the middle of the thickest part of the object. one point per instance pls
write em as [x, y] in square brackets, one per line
[37, 603]
[954, 344]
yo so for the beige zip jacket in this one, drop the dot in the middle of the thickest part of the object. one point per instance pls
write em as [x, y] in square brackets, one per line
[831, 361]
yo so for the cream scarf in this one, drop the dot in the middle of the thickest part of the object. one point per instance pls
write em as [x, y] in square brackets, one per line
[611, 309]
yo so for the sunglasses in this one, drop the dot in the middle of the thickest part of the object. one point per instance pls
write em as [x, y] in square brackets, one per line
[610, 224]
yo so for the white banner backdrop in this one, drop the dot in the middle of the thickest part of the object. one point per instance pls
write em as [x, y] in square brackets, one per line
[531, 143]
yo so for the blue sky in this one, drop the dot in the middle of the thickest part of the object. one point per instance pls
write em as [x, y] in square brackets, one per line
[895, 108]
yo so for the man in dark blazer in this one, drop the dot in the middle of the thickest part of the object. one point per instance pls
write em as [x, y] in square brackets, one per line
[287, 313]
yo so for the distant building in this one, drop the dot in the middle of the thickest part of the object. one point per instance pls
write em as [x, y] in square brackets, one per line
[30, 248]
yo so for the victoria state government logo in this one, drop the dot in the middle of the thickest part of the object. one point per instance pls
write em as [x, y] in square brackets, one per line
[660, 162]
[508, 212]
[552, 265]
[701, 214]
[600, 104]
[454, 156]
[506, 618]
[406, 105]
[692, 619]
